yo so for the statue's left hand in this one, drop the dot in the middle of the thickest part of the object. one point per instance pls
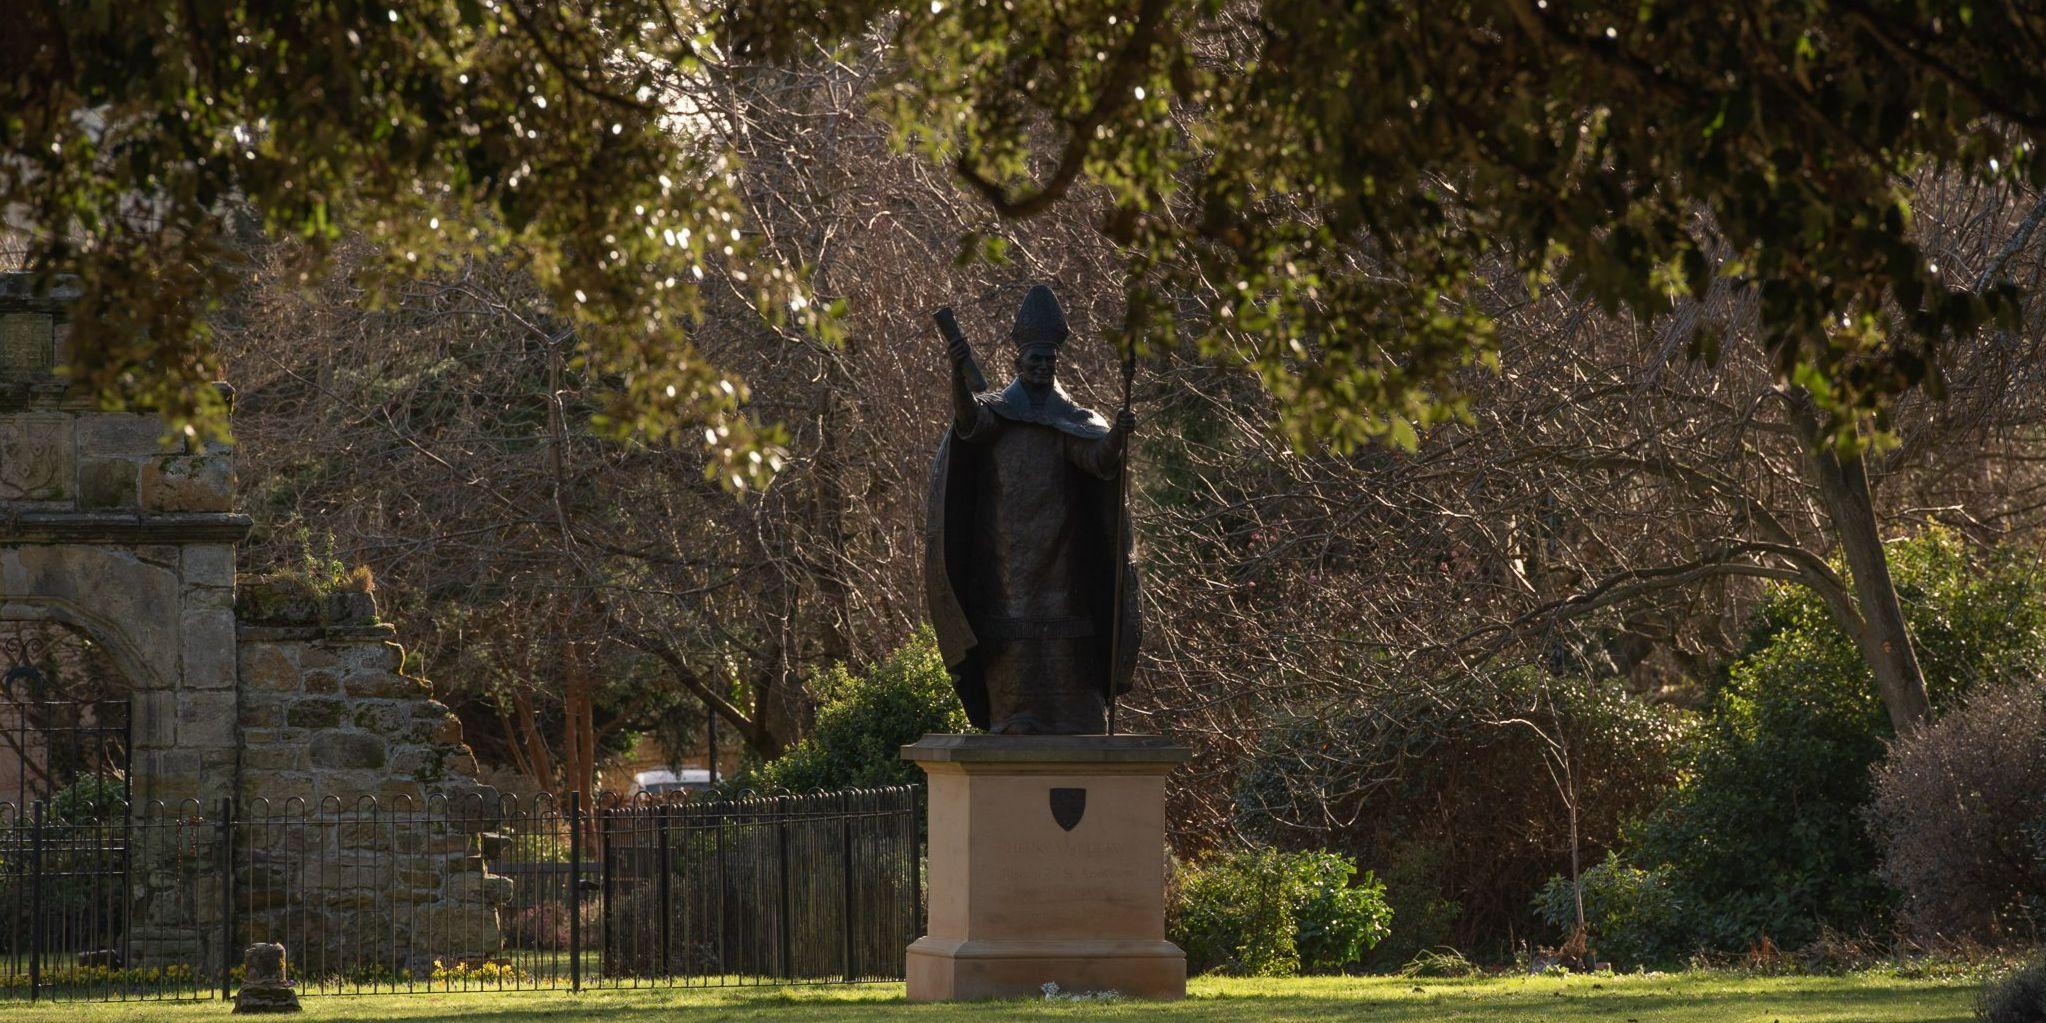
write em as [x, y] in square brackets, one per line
[1126, 422]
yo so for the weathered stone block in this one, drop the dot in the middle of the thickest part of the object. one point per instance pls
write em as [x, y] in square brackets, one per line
[316, 712]
[368, 657]
[448, 731]
[262, 712]
[341, 751]
[209, 639]
[169, 776]
[277, 600]
[207, 720]
[153, 719]
[188, 483]
[120, 433]
[415, 762]
[274, 758]
[267, 668]
[324, 681]
[255, 736]
[109, 484]
[475, 885]
[209, 564]
[383, 685]
[381, 717]
[400, 793]
[28, 347]
[351, 607]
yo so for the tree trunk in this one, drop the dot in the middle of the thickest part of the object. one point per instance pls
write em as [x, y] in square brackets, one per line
[1882, 637]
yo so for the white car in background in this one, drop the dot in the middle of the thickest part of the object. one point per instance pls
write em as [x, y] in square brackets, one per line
[663, 781]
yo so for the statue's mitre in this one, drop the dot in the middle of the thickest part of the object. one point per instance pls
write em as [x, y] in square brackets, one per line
[1040, 321]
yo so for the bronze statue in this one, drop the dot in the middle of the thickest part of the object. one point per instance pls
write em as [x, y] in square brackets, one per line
[1025, 539]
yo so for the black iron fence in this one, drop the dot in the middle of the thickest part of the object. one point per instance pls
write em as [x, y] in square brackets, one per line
[459, 895]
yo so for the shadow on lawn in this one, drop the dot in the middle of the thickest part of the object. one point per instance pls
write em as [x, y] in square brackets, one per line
[1640, 1000]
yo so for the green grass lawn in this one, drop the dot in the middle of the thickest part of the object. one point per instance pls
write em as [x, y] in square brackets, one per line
[1675, 998]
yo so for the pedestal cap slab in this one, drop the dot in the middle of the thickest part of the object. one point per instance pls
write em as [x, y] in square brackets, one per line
[1142, 754]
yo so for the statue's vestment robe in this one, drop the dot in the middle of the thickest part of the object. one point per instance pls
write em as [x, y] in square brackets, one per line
[1021, 552]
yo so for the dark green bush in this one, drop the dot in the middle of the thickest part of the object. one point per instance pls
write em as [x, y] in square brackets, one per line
[1766, 837]
[91, 799]
[864, 720]
[1633, 916]
[1261, 912]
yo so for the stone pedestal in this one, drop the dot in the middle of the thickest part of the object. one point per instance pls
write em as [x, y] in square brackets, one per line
[1047, 866]
[265, 988]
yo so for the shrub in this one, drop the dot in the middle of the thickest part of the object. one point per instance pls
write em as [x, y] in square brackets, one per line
[90, 799]
[81, 894]
[1261, 912]
[1633, 916]
[1767, 838]
[1459, 811]
[864, 720]
[1960, 811]
[541, 927]
[1440, 963]
[2018, 998]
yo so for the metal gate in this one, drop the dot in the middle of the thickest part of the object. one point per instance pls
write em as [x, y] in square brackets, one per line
[64, 834]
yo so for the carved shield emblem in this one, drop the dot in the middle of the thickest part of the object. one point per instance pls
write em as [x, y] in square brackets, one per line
[1068, 806]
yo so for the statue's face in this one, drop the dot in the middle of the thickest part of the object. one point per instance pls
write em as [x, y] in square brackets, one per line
[1038, 365]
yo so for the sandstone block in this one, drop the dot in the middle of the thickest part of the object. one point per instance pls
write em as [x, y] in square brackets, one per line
[400, 794]
[316, 712]
[153, 719]
[348, 751]
[209, 564]
[120, 433]
[262, 712]
[209, 654]
[383, 685]
[369, 657]
[188, 483]
[117, 586]
[274, 758]
[109, 484]
[277, 600]
[207, 720]
[381, 717]
[448, 731]
[267, 668]
[351, 607]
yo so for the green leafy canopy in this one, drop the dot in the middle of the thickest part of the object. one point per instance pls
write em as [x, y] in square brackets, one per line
[1333, 176]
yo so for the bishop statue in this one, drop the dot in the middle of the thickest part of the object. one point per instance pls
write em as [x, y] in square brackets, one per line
[1026, 539]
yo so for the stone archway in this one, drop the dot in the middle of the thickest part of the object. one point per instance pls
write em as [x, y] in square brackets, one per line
[158, 595]
[107, 529]
[294, 697]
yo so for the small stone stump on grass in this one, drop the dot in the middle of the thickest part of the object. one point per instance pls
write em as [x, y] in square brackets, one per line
[264, 987]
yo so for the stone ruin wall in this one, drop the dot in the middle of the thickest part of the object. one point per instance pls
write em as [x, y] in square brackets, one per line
[264, 695]
[331, 725]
